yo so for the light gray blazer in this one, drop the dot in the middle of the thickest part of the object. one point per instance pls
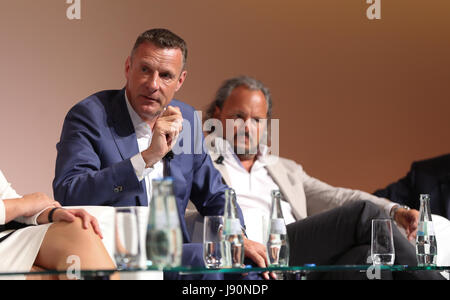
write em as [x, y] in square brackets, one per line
[307, 195]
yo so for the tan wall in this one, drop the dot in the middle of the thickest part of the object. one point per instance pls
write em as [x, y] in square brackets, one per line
[358, 100]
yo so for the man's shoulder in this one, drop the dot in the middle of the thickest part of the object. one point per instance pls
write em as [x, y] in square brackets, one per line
[283, 162]
[96, 102]
[435, 165]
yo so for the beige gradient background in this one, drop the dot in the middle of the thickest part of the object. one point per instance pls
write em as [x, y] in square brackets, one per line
[358, 100]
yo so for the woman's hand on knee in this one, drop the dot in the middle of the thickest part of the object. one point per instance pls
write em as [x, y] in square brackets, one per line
[70, 215]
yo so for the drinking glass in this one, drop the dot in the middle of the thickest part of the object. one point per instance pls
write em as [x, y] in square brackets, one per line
[127, 245]
[214, 246]
[382, 248]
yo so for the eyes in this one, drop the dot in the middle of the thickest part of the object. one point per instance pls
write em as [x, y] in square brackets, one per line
[254, 120]
[166, 75]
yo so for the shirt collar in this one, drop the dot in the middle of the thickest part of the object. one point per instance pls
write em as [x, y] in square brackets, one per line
[223, 147]
[141, 128]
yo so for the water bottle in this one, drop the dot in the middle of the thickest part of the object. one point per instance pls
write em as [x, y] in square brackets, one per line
[233, 243]
[173, 226]
[158, 236]
[426, 246]
[277, 242]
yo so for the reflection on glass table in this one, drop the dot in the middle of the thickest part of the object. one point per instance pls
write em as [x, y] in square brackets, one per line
[103, 274]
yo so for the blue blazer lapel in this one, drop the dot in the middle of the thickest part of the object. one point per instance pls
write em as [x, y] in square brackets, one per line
[172, 168]
[122, 130]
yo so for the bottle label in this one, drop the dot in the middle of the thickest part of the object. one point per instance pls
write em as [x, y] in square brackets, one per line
[159, 220]
[277, 226]
[173, 220]
[233, 226]
[425, 228]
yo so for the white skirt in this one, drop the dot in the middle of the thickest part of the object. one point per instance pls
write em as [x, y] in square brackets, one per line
[19, 251]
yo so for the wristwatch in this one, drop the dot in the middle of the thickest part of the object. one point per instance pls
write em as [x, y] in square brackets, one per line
[395, 208]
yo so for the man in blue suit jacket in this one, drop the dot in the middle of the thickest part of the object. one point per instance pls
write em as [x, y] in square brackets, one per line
[102, 161]
[431, 176]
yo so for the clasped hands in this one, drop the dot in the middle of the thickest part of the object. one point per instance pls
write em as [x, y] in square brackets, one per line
[166, 129]
[408, 220]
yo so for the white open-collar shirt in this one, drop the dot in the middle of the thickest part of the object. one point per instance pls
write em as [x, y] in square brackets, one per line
[253, 190]
[144, 138]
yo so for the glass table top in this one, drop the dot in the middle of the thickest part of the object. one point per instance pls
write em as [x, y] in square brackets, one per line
[196, 270]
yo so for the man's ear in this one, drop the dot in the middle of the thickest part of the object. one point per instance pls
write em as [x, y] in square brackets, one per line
[181, 80]
[127, 66]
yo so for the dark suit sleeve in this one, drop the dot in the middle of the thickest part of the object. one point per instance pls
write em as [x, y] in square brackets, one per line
[401, 191]
[79, 176]
[208, 190]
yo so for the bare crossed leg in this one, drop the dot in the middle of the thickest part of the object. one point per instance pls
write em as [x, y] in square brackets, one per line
[71, 239]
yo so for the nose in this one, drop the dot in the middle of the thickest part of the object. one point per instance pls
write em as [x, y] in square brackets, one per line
[243, 126]
[153, 82]
[249, 125]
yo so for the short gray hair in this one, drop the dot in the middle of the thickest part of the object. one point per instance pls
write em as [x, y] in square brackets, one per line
[228, 87]
[164, 39]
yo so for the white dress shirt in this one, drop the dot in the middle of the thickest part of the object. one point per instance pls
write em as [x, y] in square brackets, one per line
[144, 139]
[253, 191]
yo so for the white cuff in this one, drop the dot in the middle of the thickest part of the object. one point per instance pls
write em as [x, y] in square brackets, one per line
[33, 219]
[139, 167]
[389, 207]
[2, 213]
